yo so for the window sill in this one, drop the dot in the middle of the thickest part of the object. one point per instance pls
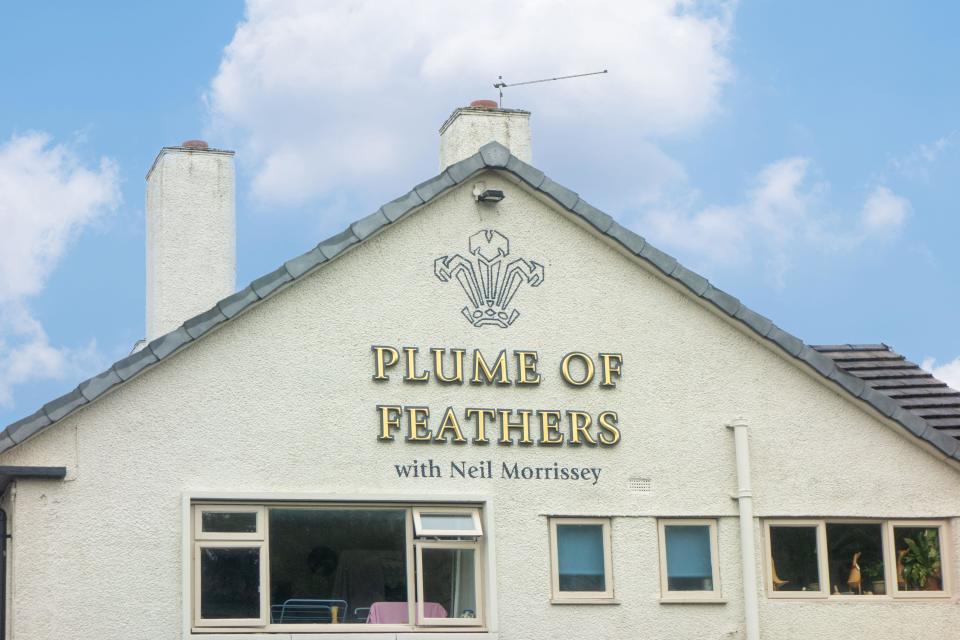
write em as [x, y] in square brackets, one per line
[584, 601]
[682, 600]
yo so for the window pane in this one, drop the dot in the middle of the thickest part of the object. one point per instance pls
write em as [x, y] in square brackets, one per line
[918, 558]
[338, 565]
[580, 557]
[855, 556]
[228, 522]
[449, 583]
[689, 567]
[441, 521]
[794, 564]
[229, 583]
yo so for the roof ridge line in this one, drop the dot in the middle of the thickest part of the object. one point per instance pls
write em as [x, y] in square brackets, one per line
[491, 156]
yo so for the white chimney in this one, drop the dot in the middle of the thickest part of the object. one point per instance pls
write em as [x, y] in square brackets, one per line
[469, 128]
[191, 235]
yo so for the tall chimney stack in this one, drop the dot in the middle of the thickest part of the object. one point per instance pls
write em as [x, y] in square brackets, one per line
[469, 128]
[191, 233]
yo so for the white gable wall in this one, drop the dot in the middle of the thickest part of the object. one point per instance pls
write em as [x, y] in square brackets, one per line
[281, 401]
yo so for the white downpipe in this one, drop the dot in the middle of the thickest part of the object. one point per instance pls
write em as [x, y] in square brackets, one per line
[748, 558]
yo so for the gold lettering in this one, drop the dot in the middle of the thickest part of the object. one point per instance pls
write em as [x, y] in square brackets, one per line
[523, 426]
[608, 422]
[526, 365]
[450, 422]
[381, 363]
[438, 371]
[499, 370]
[417, 424]
[587, 366]
[550, 427]
[389, 420]
[580, 425]
[610, 363]
[481, 415]
[410, 374]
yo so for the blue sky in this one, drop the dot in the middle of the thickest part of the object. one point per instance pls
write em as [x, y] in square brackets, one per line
[803, 157]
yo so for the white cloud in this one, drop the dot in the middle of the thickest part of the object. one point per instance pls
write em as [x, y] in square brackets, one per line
[46, 198]
[918, 162]
[784, 214]
[323, 96]
[948, 372]
[884, 211]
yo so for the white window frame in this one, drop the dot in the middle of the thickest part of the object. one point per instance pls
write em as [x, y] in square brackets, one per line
[422, 620]
[581, 597]
[200, 534]
[891, 588]
[945, 559]
[259, 545]
[192, 503]
[823, 568]
[666, 595]
[420, 530]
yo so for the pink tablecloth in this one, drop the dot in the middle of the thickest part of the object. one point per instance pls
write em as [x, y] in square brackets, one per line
[396, 612]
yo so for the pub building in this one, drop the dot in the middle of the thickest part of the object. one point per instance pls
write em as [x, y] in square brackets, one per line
[484, 411]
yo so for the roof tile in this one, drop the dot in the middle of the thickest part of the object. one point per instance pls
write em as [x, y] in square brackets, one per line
[594, 216]
[298, 266]
[560, 193]
[433, 187]
[231, 306]
[335, 245]
[495, 155]
[693, 281]
[265, 285]
[760, 324]
[460, 171]
[723, 300]
[665, 262]
[99, 384]
[23, 429]
[134, 363]
[396, 209]
[65, 404]
[633, 242]
[200, 324]
[529, 174]
[169, 342]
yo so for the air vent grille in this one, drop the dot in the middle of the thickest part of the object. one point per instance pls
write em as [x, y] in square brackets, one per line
[640, 486]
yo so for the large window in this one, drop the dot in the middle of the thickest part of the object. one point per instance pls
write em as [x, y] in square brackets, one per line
[844, 558]
[580, 559]
[688, 560]
[299, 567]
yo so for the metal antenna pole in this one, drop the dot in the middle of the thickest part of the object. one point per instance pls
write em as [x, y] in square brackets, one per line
[501, 84]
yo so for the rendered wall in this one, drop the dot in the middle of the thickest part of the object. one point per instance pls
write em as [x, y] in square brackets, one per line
[281, 400]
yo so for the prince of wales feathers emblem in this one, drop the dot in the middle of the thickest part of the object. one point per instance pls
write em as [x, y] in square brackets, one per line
[489, 281]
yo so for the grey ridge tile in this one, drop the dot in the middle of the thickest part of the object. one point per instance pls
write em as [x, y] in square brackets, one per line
[529, 174]
[233, 305]
[560, 193]
[99, 384]
[666, 263]
[335, 245]
[881, 402]
[265, 285]
[695, 282]
[760, 324]
[914, 423]
[819, 362]
[298, 266]
[433, 187]
[495, 155]
[365, 227]
[6, 442]
[65, 404]
[627, 238]
[594, 216]
[948, 445]
[200, 324]
[134, 363]
[169, 342]
[460, 171]
[396, 209]
[23, 429]
[723, 300]
[789, 343]
[853, 384]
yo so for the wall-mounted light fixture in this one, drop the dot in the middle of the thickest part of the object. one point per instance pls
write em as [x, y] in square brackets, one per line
[490, 195]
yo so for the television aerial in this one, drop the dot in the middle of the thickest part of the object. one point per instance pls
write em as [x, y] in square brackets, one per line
[501, 85]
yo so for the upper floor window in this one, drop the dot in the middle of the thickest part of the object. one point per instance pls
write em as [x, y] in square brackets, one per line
[580, 559]
[688, 560]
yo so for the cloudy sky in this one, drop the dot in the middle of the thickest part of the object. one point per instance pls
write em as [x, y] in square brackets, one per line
[802, 157]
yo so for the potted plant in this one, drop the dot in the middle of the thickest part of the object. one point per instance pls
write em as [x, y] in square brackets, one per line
[873, 574]
[921, 563]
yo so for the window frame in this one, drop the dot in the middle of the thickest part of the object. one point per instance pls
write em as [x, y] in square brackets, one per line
[419, 546]
[668, 595]
[823, 567]
[942, 528]
[200, 534]
[891, 589]
[419, 530]
[193, 504]
[582, 597]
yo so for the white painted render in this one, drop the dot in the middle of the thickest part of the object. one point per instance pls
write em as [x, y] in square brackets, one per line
[191, 235]
[280, 402]
[469, 128]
